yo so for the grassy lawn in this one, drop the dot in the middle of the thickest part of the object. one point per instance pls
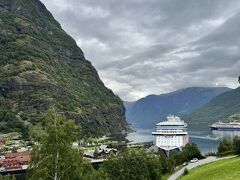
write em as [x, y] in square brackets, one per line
[223, 169]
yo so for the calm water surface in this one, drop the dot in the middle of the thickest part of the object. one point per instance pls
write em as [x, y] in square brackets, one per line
[207, 141]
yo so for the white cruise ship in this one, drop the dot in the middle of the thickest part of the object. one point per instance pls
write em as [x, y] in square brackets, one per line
[171, 134]
[226, 126]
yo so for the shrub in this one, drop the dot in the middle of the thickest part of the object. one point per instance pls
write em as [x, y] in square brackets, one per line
[224, 146]
[185, 172]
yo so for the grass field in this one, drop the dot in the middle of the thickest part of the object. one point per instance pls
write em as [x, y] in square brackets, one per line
[219, 170]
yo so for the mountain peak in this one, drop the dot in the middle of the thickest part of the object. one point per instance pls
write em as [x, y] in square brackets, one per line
[27, 8]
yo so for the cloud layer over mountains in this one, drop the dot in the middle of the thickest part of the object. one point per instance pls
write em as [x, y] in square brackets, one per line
[145, 47]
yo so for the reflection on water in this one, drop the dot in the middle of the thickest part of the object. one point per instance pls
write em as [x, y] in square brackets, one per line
[141, 135]
[207, 141]
[205, 144]
[225, 134]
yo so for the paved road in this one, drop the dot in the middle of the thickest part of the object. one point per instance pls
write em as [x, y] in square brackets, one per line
[207, 160]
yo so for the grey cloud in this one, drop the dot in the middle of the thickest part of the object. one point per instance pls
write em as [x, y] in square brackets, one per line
[150, 47]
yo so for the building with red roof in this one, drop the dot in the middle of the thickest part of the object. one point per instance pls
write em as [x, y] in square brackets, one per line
[15, 160]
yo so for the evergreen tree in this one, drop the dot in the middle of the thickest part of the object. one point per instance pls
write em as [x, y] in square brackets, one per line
[53, 157]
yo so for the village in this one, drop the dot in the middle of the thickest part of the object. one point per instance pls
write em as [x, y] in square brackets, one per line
[15, 153]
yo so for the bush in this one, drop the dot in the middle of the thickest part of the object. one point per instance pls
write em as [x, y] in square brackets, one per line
[236, 145]
[185, 172]
[226, 153]
[189, 152]
[211, 154]
[224, 146]
[133, 164]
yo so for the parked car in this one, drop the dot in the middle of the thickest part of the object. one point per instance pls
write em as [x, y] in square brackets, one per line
[194, 160]
[185, 164]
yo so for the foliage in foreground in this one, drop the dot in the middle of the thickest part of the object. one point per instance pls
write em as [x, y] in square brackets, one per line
[134, 165]
[227, 147]
[53, 156]
[189, 152]
[7, 177]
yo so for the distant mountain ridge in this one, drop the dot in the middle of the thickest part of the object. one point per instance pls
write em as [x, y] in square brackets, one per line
[146, 112]
[217, 109]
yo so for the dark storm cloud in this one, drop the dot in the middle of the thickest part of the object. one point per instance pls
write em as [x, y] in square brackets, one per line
[142, 47]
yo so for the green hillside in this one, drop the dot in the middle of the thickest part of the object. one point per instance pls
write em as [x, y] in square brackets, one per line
[219, 108]
[42, 67]
[223, 169]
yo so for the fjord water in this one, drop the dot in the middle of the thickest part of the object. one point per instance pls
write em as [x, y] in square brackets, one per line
[207, 140]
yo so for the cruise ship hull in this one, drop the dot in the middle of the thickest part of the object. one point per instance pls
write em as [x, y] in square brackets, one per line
[226, 128]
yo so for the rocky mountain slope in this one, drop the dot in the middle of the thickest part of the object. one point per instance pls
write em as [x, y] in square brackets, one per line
[41, 67]
[146, 112]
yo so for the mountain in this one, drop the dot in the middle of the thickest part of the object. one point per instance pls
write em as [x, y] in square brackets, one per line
[146, 112]
[42, 67]
[219, 108]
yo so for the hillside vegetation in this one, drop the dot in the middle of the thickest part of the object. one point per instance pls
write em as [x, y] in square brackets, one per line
[219, 108]
[223, 169]
[42, 67]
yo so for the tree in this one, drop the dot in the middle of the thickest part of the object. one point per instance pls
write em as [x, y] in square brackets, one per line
[14, 149]
[191, 151]
[7, 177]
[236, 145]
[96, 153]
[163, 161]
[53, 157]
[224, 146]
[171, 164]
[134, 165]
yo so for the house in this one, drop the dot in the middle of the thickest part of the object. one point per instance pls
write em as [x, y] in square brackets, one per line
[15, 160]
[105, 150]
[18, 154]
[89, 154]
[9, 164]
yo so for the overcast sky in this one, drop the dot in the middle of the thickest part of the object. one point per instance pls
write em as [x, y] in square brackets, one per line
[142, 47]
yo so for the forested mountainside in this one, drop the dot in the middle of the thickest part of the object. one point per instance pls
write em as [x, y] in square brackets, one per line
[220, 108]
[41, 67]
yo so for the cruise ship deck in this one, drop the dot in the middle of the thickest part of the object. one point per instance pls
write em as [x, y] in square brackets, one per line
[171, 134]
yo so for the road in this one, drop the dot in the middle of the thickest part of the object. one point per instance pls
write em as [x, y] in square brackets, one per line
[190, 166]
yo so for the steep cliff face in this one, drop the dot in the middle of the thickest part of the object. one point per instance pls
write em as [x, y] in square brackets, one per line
[42, 67]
